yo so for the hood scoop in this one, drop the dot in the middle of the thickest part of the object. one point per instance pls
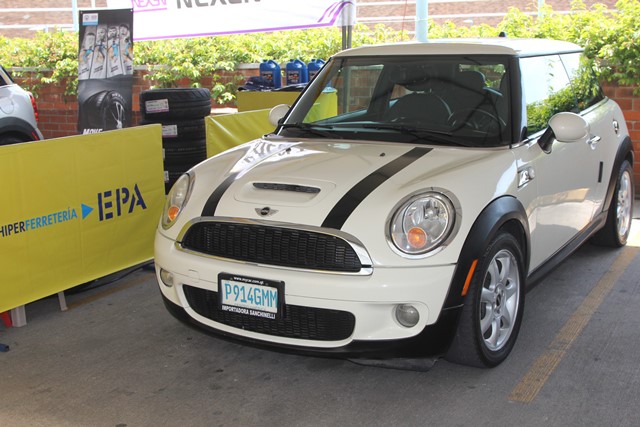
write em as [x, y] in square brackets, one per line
[283, 191]
[286, 187]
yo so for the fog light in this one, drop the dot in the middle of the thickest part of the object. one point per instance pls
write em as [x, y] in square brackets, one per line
[166, 277]
[407, 315]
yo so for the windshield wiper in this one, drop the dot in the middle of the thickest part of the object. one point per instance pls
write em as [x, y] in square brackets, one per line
[427, 135]
[312, 128]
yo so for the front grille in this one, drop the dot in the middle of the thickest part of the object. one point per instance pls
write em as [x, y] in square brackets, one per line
[272, 246]
[306, 323]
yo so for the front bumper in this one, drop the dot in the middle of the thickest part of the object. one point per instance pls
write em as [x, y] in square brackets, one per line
[319, 306]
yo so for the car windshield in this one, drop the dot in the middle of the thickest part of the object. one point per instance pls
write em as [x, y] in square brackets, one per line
[458, 100]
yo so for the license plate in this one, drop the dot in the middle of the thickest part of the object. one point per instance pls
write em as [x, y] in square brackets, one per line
[250, 296]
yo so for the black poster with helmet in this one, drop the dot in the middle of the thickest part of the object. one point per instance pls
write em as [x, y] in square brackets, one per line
[105, 70]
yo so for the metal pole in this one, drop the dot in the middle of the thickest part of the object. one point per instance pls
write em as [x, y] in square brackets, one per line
[347, 18]
[422, 24]
[74, 12]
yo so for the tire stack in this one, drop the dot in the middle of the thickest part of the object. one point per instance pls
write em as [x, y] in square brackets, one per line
[181, 112]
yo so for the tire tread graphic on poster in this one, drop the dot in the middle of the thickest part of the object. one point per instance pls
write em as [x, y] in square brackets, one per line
[105, 110]
[181, 111]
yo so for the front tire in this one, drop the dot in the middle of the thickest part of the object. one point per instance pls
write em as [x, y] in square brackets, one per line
[492, 313]
[618, 226]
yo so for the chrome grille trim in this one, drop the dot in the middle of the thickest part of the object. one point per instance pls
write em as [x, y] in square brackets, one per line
[358, 248]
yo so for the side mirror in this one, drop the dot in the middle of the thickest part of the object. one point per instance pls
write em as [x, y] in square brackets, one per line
[277, 113]
[569, 127]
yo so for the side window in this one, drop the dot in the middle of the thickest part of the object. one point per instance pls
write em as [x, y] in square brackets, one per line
[547, 90]
[355, 87]
[583, 80]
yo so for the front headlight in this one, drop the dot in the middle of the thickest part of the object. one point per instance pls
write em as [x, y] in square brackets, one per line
[176, 199]
[422, 223]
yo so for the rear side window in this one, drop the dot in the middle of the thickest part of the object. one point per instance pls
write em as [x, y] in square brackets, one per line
[547, 90]
[583, 80]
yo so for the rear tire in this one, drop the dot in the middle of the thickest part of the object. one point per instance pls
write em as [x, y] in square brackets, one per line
[493, 308]
[618, 226]
[9, 140]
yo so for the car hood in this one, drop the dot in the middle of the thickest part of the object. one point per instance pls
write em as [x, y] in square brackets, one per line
[330, 184]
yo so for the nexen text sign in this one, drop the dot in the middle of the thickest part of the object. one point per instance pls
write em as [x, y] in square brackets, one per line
[206, 3]
[157, 19]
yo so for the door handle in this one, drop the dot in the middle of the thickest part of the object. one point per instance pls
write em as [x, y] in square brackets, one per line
[593, 141]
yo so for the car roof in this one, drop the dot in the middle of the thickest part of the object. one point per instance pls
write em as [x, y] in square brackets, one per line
[475, 46]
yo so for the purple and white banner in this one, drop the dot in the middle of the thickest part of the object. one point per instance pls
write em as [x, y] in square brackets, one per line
[164, 19]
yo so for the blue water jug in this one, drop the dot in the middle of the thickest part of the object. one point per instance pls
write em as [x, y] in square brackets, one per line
[270, 71]
[296, 72]
[313, 67]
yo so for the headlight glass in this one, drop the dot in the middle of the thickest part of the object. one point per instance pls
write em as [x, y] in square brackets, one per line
[176, 199]
[422, 224]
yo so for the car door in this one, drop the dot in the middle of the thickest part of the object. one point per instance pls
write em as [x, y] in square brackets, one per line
[566, 173]
[602, 115]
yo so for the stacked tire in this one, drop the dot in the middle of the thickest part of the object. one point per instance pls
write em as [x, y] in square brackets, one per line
[181, 112]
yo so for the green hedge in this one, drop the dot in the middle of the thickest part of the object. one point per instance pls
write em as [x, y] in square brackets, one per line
[608, 37]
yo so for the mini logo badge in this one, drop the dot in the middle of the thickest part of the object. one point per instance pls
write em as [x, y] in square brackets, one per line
[266, 211]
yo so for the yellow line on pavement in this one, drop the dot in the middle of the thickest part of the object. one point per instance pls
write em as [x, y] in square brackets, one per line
[546, 363]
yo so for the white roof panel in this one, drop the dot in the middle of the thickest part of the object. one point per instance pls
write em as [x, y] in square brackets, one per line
[481, 46]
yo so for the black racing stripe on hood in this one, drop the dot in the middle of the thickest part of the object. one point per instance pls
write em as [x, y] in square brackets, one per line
[210, 206]
[350, 201]
[256, 153]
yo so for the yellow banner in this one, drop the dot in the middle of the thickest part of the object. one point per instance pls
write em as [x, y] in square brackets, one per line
[78, 208]
[229, 130]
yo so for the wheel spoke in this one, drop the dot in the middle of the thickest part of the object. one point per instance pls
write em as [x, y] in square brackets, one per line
[487, 297]
[507, 319]
[492, 341]
[505, 262]
[494, 272]
[485, 322]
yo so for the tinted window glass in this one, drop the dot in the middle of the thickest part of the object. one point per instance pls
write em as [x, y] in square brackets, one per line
[547, 90]
[444, 99]
[583, 80]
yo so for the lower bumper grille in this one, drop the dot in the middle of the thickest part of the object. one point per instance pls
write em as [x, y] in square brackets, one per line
[307, 323]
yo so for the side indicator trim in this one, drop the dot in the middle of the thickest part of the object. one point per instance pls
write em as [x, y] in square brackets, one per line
[467, 282]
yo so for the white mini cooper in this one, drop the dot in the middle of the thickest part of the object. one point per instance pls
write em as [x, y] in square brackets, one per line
[403, 204]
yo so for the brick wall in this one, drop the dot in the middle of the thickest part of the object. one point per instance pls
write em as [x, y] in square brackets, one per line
[630, 105]
[23, 18]
[59, 113]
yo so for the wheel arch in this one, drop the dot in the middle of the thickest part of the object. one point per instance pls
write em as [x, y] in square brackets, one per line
[503, 213]
[625, 152]
[13, 126]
